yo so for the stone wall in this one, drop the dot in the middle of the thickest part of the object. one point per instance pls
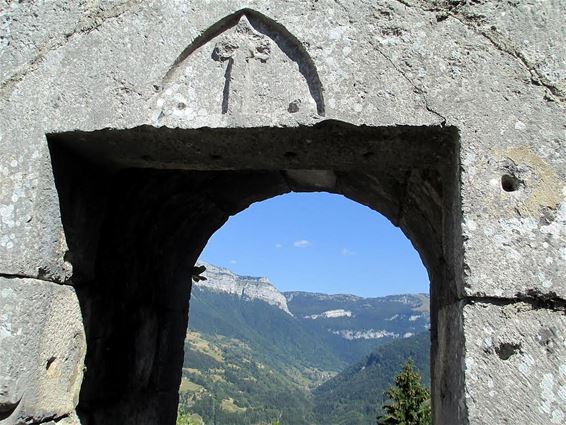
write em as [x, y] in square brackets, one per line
[456, 132]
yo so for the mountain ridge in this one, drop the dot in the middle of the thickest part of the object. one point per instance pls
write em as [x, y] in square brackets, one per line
[221, 279]
[254, 355]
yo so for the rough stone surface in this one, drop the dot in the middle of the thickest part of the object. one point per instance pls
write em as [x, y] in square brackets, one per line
[517, 352]
[456, 133]
[42, 343]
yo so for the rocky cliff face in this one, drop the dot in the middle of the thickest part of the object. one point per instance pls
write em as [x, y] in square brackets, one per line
[246, 287]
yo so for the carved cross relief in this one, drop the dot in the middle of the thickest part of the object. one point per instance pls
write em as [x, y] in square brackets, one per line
[244, 67]
[239, 50]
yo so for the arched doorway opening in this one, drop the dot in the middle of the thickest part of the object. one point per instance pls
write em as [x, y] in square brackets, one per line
[139, 205]
[312, 304]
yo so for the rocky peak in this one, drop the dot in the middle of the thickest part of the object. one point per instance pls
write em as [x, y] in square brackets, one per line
[219, 279]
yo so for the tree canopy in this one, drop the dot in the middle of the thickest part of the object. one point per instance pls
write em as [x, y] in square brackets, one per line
[409, 400]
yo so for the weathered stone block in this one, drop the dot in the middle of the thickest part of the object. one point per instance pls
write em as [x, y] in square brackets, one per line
[492, 72]
[42, 349]
[515, 364]
[515, 235]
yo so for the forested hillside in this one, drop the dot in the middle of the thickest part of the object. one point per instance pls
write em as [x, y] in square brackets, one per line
[254, 356]
[355, 396]
[269, 331]
[224, 383]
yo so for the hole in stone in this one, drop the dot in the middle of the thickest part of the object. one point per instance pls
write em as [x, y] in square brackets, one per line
[368, 155]
[510, 183]
[43, 273]
[50, 362]
[506, 350]
[181, 105]
[291, 154]
[67, 257]
[294, 106]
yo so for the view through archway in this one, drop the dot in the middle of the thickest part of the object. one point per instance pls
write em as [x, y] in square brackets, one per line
[139, 205]
[320, 341]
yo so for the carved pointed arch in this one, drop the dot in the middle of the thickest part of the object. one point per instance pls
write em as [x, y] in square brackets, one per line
[292, 47]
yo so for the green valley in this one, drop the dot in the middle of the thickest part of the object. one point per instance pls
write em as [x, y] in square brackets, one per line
[256, 356]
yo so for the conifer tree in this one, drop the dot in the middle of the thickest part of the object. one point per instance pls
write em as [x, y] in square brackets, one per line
[409, 400]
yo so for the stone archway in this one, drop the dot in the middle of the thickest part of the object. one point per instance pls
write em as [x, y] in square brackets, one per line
[213, 71]
[139, 205]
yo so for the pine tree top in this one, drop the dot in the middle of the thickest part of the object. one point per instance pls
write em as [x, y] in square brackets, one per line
[409, 400]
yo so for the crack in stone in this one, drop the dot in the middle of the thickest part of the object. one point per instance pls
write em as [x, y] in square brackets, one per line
[86, 24]
[417, 89]
[497, 40]
[47, 420]
[35, 277]
[536, 77]
[344, 8]
[535, 299]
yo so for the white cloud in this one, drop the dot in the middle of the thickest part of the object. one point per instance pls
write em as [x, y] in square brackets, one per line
[302, 244]
[233, 262]
[347, 253]
[278, 245]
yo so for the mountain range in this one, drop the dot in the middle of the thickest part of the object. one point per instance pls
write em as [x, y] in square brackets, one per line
[254, 355]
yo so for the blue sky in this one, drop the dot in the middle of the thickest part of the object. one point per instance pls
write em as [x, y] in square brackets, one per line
[319, 242]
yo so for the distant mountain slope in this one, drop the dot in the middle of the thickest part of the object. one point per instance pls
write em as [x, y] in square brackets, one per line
[224, 382]
[254, 355]
[274, 335]
[355, 396]
[250, 288]
[352, 326]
